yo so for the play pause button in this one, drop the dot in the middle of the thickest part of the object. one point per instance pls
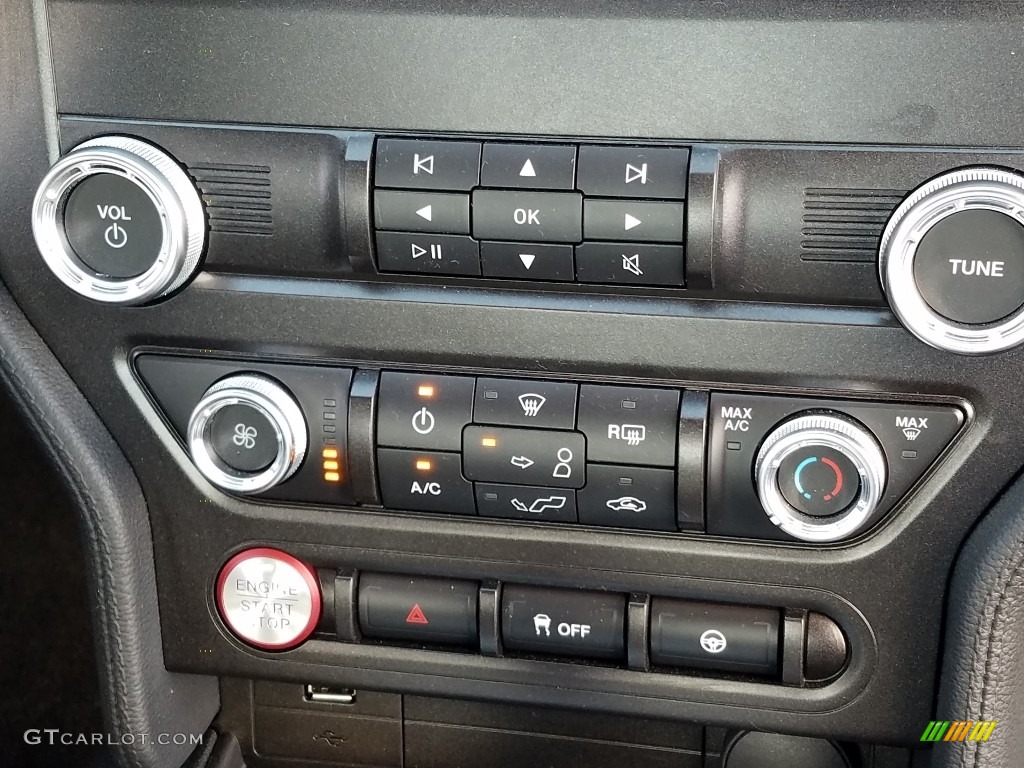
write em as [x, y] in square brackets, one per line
[439, 254]
[527, 261]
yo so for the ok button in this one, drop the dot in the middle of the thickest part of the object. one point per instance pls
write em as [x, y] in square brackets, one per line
[551, 217]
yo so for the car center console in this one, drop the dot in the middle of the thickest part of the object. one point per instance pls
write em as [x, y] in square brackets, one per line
[631, 402]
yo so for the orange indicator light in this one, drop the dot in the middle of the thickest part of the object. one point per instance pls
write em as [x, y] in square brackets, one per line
[330, 453]
[489, 442]
[425, 390]
[332, 477]
[332, 465]
[423, 465]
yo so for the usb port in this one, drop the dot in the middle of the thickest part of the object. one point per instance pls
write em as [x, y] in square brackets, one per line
[324, 694]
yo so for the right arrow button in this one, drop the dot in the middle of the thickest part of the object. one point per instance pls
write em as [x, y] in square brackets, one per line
[660, 222]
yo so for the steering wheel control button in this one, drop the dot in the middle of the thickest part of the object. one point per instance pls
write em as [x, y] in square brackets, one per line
[629, 497]
[527, 261]
[633, 221]
[423, 411]
[247, 434]
[418, 610]
[421, 211]
[569, 623]
[416, 164]
[268, 599]
[819, 482]
[528, 166]
[437, 254]
[113, 226]
[542, 217]
[521, 502]
[119, 221]
[424, 481]
[629, 425]
[524, 456]
[952, 261]
[970, 267]
[631, 264]
[820, 477]
[645, 172]
[723, 638]
[525, 403]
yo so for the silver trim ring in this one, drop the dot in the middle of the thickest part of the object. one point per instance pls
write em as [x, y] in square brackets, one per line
[828, 431]
[990, 189]
[164, 182]
[276, 405]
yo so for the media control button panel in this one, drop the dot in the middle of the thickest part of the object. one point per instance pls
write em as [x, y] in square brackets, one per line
[652, 458]
[532, 214]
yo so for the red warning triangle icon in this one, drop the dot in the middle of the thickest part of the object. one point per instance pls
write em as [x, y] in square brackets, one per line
[416, 616]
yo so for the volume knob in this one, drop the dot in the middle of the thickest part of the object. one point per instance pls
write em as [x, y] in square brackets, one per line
[119, 221]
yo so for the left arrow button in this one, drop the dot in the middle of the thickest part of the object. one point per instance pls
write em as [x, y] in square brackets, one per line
[437, 212]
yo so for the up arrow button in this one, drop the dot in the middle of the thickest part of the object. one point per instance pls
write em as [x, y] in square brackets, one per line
[528, 166]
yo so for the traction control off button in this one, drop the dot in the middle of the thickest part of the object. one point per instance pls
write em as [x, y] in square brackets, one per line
[564, 622]
[268, 599]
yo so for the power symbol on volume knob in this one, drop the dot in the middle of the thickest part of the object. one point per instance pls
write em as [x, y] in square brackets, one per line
[115, 236]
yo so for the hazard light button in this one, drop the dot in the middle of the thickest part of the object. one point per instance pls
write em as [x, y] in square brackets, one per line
[418, 610]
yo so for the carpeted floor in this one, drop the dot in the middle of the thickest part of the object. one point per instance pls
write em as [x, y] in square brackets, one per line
[47, 668]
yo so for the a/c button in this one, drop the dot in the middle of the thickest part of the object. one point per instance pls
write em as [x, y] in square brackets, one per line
[424, 481]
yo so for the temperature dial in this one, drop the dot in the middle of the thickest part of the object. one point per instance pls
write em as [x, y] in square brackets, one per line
[820, 477]
[119, 221]
[247, 434]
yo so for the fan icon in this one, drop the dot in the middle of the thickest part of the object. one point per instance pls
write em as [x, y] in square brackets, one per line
[713, 641]
[244, 437]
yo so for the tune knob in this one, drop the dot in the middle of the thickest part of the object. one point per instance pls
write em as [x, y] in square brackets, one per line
[952, 261]
[820, 476]
[247, 434]
[119, 221]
